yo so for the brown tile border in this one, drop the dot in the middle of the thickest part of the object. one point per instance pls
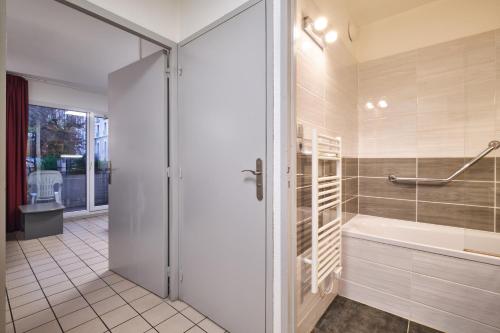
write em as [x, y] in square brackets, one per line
[472, 217]
[382, 187]
[390, 208]
[383, 167]
[443, 167]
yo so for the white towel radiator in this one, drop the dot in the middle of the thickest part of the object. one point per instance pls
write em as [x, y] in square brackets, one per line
[326, 239]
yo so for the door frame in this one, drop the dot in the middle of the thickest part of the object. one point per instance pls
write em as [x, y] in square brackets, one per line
[86, 7]
[92, 208]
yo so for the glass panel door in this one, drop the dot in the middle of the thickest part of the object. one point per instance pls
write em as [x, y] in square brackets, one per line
[101, 161]
[57, 157]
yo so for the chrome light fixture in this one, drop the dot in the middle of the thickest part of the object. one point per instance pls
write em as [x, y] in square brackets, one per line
[315, 30]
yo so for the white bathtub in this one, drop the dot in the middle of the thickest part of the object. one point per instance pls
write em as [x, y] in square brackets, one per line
[421, 272]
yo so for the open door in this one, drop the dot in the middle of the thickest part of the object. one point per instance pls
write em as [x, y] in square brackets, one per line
[222, 113]
[138, 193]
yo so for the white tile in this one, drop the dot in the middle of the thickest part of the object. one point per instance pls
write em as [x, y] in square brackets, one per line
[122, 286]
[8, 316]
[175, 324]
[145, 303]
[195, 329]
[377, 299]
[63, 296]
[193, 315]
[112, 278]
[379, 277]
[99, 295]
[57, 288]
[77, 318]
[50, 327]
[49, 273]
[70, 306]
[95, 326]
[18, 275]
[91, 286]
[9, 328]
[50, 281]
[35, 320]
[118, 316]
[472, 303]
[380, 253]
[30, 308]
[466, 272]
[159, 313]
[134, 325]
[82, 279]
[210, 327]
[25, 299]
[20, 281]
[445, 321]
[108, 304]
[178, 305]
[22, 290]
[134, 293]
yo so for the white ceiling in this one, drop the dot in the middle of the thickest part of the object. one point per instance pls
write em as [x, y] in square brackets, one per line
[365, 12]
[50, 40]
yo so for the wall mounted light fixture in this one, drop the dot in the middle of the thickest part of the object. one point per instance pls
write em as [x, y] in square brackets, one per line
[316, 30]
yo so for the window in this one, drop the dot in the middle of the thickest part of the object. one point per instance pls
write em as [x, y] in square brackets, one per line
[57, 157]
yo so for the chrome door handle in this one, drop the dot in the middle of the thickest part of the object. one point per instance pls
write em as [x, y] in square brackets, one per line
[260, 179]
[255, 173]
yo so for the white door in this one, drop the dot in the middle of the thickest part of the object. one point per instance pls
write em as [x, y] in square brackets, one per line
[222, 110]
[138, 209]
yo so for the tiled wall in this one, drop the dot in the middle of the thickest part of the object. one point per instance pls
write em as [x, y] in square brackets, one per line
[326, 99]
[468, 202]
[443, 100]
[444, 108]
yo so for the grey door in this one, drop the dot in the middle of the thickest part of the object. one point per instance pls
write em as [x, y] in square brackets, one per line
[222, 101]
[138, 192]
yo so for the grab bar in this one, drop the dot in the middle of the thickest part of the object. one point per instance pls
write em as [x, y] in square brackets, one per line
[436, 181]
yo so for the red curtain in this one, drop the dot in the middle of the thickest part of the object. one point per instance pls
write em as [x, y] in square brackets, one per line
[17, 138]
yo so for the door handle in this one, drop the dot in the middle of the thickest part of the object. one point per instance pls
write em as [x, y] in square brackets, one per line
[255, 173]
[259, 181]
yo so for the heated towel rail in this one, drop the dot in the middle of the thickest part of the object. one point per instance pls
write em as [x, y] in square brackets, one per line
[442, 181]
[326, 203]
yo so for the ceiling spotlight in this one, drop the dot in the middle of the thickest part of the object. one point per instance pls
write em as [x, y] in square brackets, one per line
[369, 106]
[382, 104]
[331, 36]
[320, 23]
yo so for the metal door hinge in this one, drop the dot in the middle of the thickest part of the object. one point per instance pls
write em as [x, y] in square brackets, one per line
[168, 172]
[168, 271]
[180, 173]
[180, 71]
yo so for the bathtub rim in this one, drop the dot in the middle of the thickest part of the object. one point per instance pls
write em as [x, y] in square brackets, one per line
[347, 232]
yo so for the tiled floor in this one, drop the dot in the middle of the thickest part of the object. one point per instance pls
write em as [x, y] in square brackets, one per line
[62, 284]
[347, 316]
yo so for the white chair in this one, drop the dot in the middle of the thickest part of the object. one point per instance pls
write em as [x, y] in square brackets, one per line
[42, 186]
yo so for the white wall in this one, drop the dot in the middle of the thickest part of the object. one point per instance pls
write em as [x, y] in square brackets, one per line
[55, 95]
[173, 19]
[426, 25]
[160, 16]
[196, 14]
